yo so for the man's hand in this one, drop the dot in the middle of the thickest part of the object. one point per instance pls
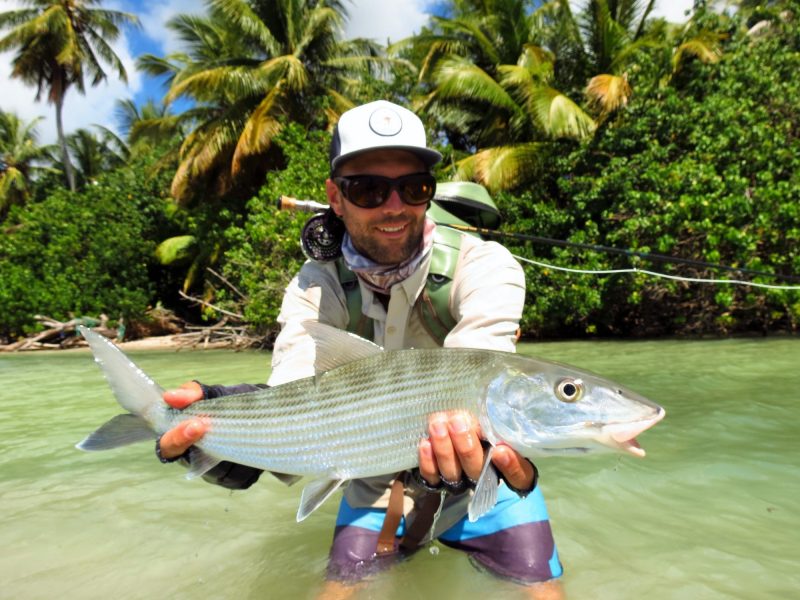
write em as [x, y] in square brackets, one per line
[454, 447]
[177, 440]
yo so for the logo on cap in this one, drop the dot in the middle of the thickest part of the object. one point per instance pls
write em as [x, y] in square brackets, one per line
[386, 122]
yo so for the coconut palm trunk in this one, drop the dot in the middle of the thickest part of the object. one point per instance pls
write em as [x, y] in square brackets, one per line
[69, 172]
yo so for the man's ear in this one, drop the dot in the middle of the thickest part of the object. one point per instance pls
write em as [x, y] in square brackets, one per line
[334, 198]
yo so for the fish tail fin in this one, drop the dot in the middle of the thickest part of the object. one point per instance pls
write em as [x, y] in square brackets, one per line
[118, 431]
[133, 389]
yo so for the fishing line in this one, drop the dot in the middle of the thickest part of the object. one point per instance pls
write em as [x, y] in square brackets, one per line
[643, 255]
[293, 204]
[656, 274]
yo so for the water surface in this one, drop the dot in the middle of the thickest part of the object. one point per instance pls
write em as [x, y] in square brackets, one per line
[712, 512]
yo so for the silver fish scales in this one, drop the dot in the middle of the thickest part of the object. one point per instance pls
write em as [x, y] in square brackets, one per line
[363, 419]
[367, 409]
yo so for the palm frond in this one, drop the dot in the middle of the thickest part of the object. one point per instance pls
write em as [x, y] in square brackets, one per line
[458, 78]
[608, 93]
[241, 15]
[558, 115]
[503, 167]
[259, 131]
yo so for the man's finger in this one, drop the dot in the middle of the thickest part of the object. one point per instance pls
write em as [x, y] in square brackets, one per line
[177, 440]
[517, 471]
[427, 463]
[464, 436]
[445, 454]
[182, 397]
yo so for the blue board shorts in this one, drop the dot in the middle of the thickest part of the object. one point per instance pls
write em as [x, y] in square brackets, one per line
[513, 540]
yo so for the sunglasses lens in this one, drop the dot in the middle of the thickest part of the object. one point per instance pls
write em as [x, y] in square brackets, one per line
[366, 191]
[417, 189]
[371, 191]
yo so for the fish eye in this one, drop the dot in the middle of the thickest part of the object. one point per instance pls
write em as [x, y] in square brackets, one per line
[569, 390]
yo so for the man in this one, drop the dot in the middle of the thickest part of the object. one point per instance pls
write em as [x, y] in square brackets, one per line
[380, 187]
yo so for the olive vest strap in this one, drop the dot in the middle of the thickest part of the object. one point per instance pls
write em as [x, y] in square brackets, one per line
[359, 323]
[433, 305]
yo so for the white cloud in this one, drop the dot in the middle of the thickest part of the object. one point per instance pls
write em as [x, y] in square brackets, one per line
[383, 20]
[673, 11]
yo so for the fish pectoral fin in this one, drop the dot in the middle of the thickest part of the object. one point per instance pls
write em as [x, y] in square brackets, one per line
[485, 496]
[336, 347]
[314, 494]
[118, 431]
[200, 463]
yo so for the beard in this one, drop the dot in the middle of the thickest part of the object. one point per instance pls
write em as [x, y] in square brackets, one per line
[384, 250]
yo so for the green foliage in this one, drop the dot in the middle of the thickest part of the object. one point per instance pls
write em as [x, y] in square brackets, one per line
[264, 252]
[702, 161]
[20, 159]
[706, 169]
[82, 253]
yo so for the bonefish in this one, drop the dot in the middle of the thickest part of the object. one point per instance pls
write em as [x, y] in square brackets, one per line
[366, 410]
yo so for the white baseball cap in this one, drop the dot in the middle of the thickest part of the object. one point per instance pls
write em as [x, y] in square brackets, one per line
[376, 126]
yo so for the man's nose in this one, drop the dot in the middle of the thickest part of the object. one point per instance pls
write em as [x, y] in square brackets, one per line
[394, 203]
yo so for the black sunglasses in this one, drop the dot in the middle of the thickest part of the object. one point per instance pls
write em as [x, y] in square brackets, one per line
[371, 191]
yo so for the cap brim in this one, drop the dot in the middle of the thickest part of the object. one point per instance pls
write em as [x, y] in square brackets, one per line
[428, 156]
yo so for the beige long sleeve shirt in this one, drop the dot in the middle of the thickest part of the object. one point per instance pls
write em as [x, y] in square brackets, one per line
[486, 300]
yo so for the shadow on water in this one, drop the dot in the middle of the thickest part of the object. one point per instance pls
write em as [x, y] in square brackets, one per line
[710, 513]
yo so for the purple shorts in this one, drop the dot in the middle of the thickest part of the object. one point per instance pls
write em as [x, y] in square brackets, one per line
[513, 540]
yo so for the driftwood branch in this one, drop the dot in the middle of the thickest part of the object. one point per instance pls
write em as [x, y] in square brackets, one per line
[229, 332]
[60, 334]
[227, 283]
[209, 305]
[219, 334]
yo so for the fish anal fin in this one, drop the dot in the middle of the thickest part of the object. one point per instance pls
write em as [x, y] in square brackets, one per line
[117, 431]
[314, 494]
[286, 478]
[485, 496]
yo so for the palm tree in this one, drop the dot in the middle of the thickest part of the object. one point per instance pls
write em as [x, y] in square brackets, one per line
[248, 67]
[597, 46]
[490, 84]
[506, 78]
[20, 158]
[147, 125]
[95, 153]
[57, 44]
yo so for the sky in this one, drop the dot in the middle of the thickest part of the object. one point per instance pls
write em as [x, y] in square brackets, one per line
[381, 20]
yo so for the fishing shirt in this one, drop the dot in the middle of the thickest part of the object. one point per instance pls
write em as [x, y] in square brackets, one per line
[487, 296]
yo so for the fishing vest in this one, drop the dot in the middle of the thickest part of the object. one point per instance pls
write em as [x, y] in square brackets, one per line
[433, 304]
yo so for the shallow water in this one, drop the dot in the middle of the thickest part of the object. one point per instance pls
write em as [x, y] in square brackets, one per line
[712, 512]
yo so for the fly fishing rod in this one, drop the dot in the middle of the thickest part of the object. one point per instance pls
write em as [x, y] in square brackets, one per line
[312, 206]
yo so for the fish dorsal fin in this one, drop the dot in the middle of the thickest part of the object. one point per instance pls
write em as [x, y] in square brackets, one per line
[314, 494]
[336, 347]
[485, 496]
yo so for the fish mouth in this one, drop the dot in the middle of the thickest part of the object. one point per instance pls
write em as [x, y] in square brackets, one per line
[624, 434]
